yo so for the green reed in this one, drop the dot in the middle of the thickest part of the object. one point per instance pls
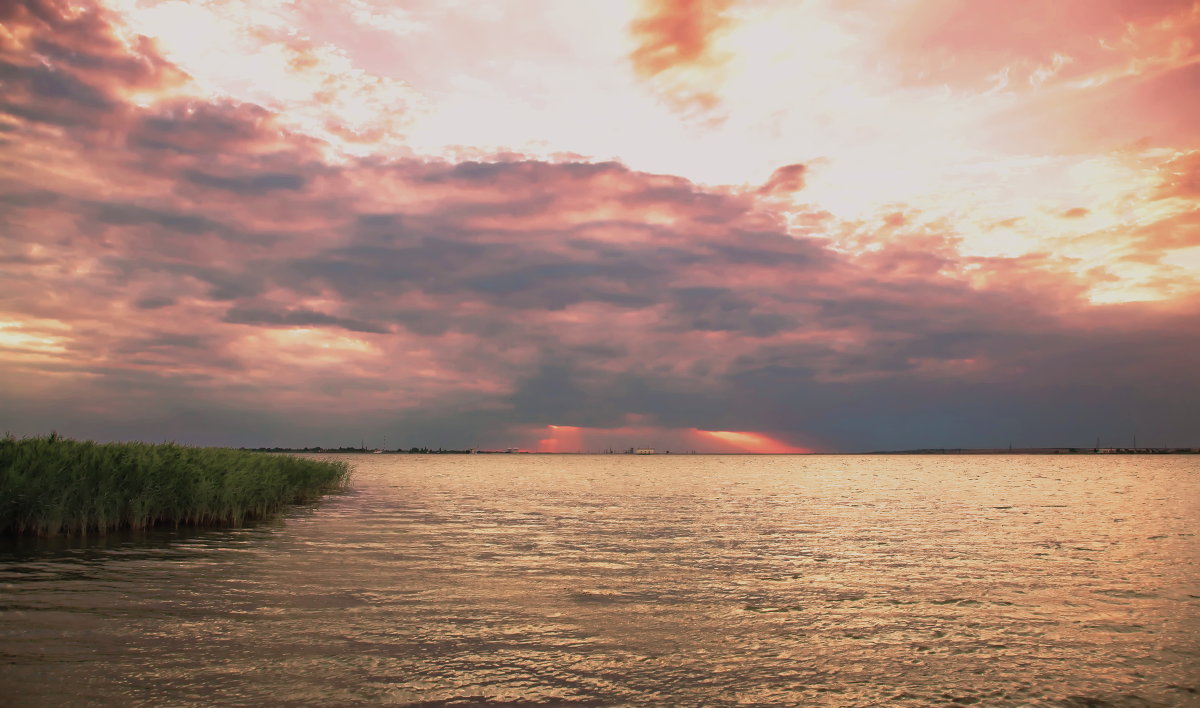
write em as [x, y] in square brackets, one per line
[51, 485]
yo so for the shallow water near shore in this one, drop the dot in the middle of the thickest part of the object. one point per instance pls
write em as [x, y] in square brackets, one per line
[627, 580]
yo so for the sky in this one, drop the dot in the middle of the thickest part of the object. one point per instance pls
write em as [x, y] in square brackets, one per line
[576, 225]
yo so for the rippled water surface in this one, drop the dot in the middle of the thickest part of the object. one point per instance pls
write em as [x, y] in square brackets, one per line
[625, 580]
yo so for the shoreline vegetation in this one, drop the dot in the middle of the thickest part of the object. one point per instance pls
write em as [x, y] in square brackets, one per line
[51, 485]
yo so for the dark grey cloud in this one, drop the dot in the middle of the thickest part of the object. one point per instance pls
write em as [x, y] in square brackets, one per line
[723, 310]
[298, 317]
[248, 184]
[154, 302]
[172, 222]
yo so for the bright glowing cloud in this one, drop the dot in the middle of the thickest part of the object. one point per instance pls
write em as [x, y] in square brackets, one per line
[20, 337]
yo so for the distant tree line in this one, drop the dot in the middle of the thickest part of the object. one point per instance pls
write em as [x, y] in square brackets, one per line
[398, 451]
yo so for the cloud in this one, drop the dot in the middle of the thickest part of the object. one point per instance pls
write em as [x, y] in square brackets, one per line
[1181, 177]
[252, 52]
[247, 184]
[1038, 42]
[298, 318]
[675, 47]
[676, 33]
[1070, 78]
[65, 66]
[193, 262]
[785, 180]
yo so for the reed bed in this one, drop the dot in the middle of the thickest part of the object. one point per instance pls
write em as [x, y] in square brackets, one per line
[51, 485]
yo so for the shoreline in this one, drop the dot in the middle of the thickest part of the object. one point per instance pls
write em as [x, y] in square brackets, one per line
[51, 485]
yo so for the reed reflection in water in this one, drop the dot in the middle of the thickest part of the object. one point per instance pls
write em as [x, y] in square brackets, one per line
[665, 580]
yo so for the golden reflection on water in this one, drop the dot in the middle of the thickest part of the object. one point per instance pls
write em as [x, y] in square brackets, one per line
[609, 580]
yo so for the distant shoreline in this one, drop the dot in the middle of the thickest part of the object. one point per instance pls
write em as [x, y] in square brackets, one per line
[1046, 451]
[920, 451]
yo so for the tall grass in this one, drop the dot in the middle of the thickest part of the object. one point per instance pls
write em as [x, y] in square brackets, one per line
[51, 485]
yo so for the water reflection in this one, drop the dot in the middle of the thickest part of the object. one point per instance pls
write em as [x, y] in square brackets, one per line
[622, 580]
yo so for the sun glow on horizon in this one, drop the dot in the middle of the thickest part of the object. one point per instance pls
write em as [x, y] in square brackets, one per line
[568, 438]
[560, 438]
[753, 442]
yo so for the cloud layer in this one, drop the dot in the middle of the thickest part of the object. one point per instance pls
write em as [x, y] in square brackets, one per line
[198, 267]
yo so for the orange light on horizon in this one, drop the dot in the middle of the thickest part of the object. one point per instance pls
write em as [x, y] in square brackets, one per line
[753, 442]
[560, 438]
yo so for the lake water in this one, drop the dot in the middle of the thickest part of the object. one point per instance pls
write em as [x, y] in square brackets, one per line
[626, 580]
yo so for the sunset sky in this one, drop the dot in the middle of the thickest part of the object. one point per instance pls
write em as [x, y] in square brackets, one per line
[560, 225]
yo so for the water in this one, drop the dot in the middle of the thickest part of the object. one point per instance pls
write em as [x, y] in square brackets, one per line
[624, 580]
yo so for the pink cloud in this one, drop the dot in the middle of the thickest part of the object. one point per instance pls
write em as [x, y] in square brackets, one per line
[1035, 41]
[1181, 177]
[676, 36]
[675, 33]
[785, 180]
